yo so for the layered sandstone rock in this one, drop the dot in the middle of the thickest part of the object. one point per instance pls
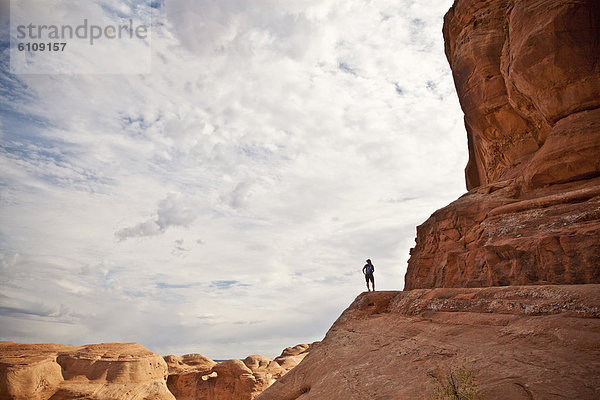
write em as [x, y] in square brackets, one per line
[30, 371]
[494, 237]
[529, 342]
[102, 371]
[528, 79]
[195, 377]
[129, 371]
[292, 356]
[525, 72]
[186, 375]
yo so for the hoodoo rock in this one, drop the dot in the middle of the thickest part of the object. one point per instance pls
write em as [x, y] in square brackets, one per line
[521, 343]
[527, 76]
[97, 372]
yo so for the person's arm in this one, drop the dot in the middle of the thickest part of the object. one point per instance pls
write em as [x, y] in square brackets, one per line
[363, 270]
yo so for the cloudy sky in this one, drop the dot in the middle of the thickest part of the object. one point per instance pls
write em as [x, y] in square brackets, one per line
[224, 202]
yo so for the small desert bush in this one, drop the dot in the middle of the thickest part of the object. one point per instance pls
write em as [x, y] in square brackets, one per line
[455, 383]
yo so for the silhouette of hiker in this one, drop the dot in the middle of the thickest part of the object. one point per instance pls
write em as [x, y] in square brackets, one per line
[368, 270]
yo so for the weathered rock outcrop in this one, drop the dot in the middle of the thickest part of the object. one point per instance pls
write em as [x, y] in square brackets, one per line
[528, 79]
[494, 237]
[128, 371]
[102, 371]
[195, 377]
[529, 342]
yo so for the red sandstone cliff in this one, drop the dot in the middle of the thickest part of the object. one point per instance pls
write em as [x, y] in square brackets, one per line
[528, 79]
[527, 75]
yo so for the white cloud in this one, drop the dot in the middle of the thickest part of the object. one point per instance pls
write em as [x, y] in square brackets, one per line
[274, 147]
[173, 210]
[147, 228]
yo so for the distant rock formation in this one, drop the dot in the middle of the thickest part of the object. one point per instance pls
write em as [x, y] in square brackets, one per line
[92, 372]
[128, 371]
[522, 343]
[528, 80]
[195, 377]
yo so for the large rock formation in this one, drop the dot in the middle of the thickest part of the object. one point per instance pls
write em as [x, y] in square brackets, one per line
[195, 377]
[527, 74]
[97, 372]
[128, 371]
[528, 78]
[493, 237]
[522, 343]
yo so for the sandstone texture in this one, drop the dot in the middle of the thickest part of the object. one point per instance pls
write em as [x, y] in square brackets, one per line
[195, 377]
[494, 237]
[524, 342]
[128, 371]
[527, 74]
[97, 372]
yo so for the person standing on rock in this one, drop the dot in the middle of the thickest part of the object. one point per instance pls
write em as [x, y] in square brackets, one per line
[368, 270]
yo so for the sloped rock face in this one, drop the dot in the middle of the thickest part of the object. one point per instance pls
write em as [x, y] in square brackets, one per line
[101, 371]
[528, 342]
[528, 79]
[195, 377]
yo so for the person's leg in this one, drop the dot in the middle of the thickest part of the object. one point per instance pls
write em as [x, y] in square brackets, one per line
[367, 279]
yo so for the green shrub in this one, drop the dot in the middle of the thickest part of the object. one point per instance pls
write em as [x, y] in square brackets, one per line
[455, 383]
